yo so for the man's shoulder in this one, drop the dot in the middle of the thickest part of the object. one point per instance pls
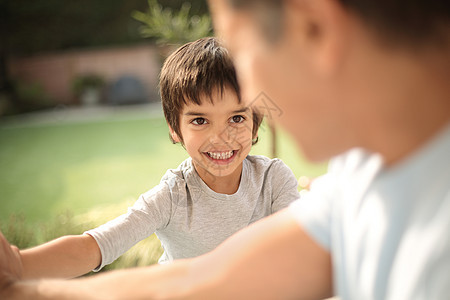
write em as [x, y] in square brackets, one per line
[353, 161]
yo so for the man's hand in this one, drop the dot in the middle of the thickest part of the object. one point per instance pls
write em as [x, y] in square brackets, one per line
[10, 263]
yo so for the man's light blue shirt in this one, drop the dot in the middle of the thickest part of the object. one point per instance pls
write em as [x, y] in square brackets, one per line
[387, 228]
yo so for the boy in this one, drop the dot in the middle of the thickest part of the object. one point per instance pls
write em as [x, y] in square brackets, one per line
[214, 193]
[349, 75]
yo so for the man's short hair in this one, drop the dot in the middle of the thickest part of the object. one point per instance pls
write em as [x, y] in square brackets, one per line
[193, 73]
[395, 21]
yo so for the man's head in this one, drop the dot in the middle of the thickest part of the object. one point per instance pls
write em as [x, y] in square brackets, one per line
[194, 72]
[343, 72]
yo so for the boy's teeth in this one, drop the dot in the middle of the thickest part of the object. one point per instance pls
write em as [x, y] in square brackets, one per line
[220, 155]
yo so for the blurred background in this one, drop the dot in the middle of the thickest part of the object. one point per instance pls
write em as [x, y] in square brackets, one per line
[82, 133]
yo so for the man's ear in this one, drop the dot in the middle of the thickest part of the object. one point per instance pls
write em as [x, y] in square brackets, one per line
[323, 27]
[174, 135]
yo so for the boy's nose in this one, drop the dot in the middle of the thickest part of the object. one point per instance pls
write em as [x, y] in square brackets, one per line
[221, 135]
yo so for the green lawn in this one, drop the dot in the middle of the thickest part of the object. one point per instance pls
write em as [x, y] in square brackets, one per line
[48, 169]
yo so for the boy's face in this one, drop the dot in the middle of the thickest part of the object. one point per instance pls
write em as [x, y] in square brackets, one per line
[217, 135]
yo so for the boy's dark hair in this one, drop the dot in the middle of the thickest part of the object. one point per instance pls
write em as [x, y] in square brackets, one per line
[193, 72]
[409, 21]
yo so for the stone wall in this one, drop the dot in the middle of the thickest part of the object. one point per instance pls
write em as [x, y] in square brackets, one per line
[55, 72]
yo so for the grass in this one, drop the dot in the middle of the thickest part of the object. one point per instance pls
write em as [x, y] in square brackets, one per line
[48, 169]
[66, 177]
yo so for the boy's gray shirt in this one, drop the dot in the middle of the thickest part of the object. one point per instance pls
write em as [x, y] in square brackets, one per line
[189, 218]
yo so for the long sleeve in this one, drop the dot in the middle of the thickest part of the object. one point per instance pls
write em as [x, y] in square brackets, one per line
[150, 212]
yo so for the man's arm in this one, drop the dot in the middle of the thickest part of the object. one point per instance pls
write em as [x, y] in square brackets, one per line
[272, 259]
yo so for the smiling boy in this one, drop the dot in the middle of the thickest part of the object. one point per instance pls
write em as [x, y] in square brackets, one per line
[203, 108]
[217, 191]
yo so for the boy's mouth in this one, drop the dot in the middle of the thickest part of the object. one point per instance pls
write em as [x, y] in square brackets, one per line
[221, 156]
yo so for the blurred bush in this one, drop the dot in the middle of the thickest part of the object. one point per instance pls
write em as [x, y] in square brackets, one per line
[81, 83]
[30, 96]
[87, 88]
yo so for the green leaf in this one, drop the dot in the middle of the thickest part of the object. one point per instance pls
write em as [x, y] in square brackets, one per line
[172, 27]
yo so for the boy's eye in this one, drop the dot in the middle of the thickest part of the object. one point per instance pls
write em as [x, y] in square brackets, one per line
[199, 121]
[237, 119]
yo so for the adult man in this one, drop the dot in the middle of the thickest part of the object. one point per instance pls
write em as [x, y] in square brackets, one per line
[347, 74]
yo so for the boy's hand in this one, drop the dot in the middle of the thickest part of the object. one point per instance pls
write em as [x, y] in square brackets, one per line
[10, 264]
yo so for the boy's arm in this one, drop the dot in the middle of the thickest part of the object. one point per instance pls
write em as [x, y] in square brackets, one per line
[272, 259]
[65, 257]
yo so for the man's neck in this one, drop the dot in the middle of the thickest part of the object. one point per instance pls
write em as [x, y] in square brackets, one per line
[424, 111]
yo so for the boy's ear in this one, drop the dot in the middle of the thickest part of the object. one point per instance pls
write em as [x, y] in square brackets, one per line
[255, 138]
[174, 135]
